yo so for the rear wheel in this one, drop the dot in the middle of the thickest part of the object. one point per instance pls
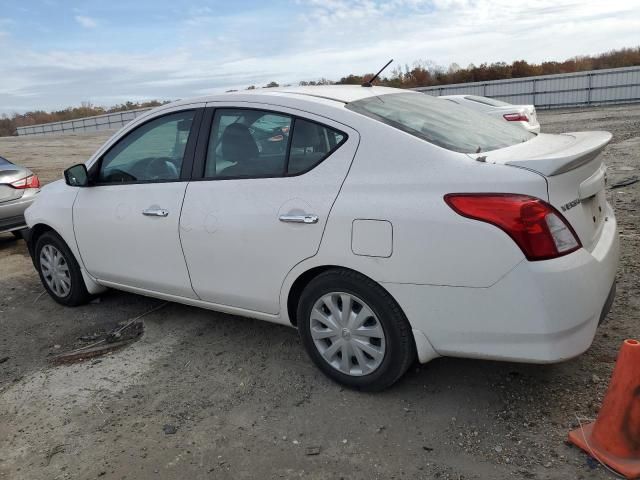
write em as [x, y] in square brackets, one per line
[59, 271]
[354, 331]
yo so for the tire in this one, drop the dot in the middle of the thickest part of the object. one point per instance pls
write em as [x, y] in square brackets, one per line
[380, 362]
[52, 252]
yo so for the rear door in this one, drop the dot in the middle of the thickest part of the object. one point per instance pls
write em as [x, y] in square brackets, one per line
[268, 179]
[126, 223]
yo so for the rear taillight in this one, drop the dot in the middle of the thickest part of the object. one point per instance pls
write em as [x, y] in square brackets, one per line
[515, 117]
[537, 228]
[31, 181]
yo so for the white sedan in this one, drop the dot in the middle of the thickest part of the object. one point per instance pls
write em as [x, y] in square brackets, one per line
[386, 225]
[524, 116]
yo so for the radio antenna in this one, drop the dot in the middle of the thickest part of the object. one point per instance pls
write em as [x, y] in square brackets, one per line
[369, 83]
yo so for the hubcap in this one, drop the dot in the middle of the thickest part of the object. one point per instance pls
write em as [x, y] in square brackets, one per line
[55, 271]
[347, 334]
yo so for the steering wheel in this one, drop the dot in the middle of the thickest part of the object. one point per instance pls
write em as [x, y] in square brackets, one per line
[160, 169]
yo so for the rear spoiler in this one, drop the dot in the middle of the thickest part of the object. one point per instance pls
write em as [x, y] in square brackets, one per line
[586, 147]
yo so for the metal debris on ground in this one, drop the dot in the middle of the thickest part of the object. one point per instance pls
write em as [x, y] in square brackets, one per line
[118, 338]
[312, 451]
[86, 353]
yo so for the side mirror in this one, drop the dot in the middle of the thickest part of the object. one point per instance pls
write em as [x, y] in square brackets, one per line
[77, 176]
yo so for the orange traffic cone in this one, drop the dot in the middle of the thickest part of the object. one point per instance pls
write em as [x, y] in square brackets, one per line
[614, 438]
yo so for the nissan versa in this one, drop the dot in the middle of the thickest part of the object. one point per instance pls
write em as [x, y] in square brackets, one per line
[386, 225]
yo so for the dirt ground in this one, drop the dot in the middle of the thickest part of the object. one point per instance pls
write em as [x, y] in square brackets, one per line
[207, 395]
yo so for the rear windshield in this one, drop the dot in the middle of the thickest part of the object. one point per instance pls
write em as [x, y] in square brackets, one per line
[440, 122]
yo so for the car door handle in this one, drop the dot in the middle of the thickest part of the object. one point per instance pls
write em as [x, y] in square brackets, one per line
[299, 218]
[155, 212]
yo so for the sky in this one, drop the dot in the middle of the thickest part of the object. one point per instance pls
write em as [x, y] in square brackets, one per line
[59, 53]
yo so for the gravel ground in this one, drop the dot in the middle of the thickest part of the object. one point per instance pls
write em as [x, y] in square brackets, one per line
[207, 395]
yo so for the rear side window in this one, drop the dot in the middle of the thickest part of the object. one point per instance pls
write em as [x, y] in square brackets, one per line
[440, 122]
[311, 143]
[246, 143]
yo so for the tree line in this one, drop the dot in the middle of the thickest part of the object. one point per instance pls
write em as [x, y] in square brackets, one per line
[426, 73]
[9, 123]
[419, 74]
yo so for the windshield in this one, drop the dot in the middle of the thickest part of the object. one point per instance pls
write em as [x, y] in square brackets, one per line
[440, 122]
[4, 162]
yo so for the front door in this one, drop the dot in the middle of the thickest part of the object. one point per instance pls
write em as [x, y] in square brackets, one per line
[126, 223]
[269, 181]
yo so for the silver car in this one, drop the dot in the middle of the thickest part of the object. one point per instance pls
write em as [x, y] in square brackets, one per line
[18, 189]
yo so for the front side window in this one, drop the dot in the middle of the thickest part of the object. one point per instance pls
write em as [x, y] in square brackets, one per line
[440, 122]
[153, 152]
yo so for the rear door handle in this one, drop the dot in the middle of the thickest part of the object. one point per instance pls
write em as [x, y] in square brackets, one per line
[299, 218]
[155, 212]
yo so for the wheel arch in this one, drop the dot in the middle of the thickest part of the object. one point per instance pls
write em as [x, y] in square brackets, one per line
[40, 229]
[306, 276]
[424, 349]
[36, 232]
[299, 285]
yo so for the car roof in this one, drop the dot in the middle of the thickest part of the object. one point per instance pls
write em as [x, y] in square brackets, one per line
[339, 94]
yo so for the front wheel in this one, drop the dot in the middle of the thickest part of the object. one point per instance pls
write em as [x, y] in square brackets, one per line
[354, 331]
[59, 271]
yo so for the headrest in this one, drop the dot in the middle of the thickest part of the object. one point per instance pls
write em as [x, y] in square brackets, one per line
[237, 144]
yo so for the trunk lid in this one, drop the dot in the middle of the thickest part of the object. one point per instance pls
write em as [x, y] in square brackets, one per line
[530, 110]
[575, 175]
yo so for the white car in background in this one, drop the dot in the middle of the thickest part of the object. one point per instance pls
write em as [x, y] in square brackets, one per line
[522, 115]
[387, 226]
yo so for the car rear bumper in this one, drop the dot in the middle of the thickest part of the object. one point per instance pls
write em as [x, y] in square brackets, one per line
[12, 213]
[539, 312]
[11, 224]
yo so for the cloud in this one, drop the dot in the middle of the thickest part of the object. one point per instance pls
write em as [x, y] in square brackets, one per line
[205, 50]
[86, 22]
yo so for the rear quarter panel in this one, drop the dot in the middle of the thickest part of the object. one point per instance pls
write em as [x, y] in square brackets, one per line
[401, 179]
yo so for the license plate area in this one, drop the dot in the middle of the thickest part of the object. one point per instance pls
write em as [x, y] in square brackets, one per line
[594, 209]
